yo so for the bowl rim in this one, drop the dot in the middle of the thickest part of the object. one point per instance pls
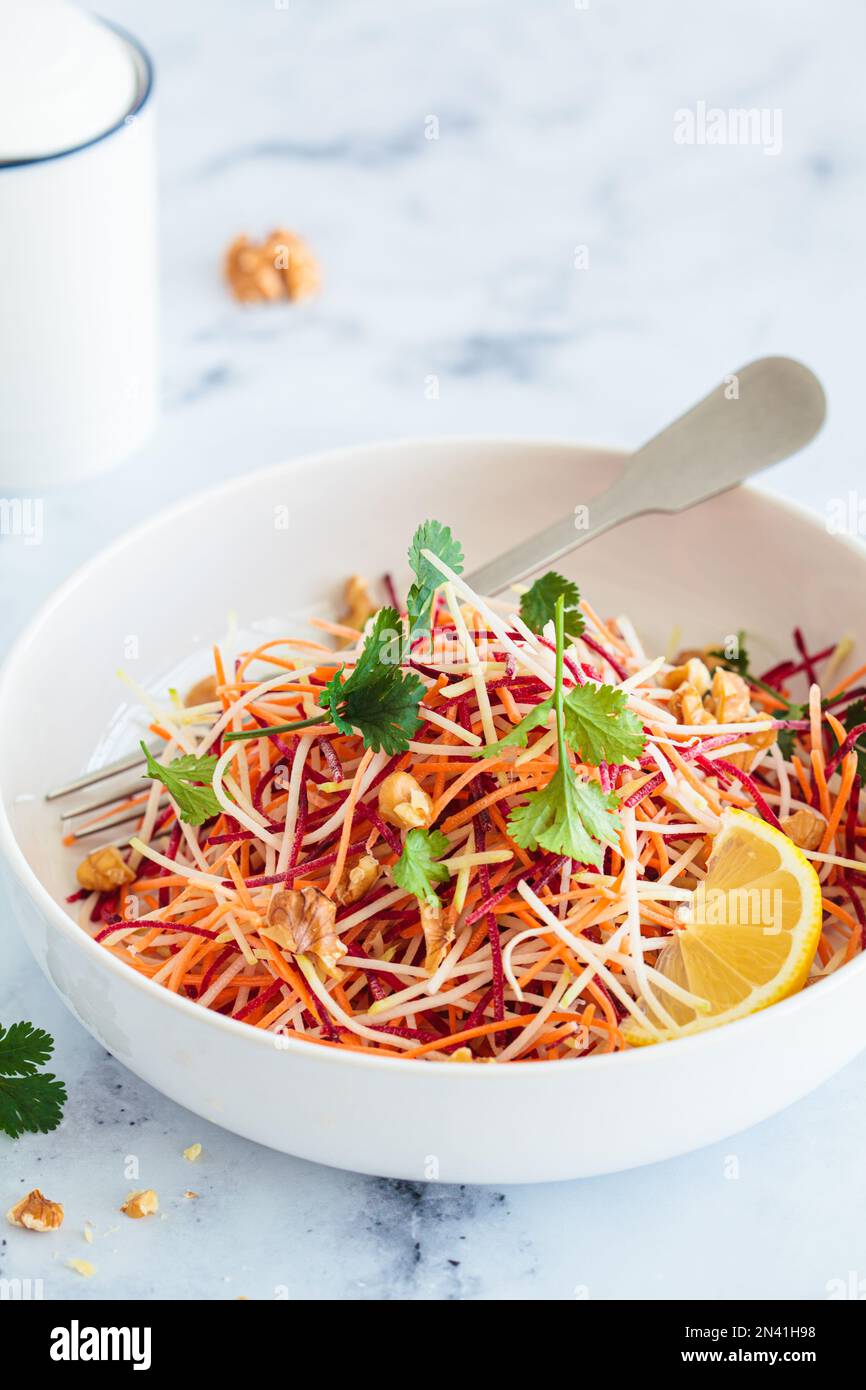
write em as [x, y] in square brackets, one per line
[60, 919]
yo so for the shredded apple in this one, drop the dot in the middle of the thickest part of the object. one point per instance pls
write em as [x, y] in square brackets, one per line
[474, 832]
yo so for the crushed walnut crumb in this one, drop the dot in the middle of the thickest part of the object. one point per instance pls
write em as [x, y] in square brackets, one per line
[104, 870]
[139, 1204]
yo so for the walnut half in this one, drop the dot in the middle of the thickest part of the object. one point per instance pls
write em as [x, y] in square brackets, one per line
[281, 267]
[303, 921]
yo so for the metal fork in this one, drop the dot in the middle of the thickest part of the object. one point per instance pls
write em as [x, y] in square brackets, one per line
[758, 416]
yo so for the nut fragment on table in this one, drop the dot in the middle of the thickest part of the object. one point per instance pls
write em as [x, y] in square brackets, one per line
[280, 267]
[139, 1204]
[104, 870]
[36, 1213]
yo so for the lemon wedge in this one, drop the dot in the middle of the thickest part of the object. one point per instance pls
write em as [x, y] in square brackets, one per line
[749, 934]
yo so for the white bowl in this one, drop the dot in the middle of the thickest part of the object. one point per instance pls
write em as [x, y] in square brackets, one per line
[742, 560]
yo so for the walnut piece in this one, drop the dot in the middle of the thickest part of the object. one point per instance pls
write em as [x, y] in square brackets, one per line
[104, 870]
[281, 267]
[36, 1213]
[730, 697]
[140, 1204]
[204, 692]
[688, 706]
[805, 828]
[303, 921]
[358, 880]
[693, 673]
[439, 933]
[359, 604]
[757, 743]
[404, 803]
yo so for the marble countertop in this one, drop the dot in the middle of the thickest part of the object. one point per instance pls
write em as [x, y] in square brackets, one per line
[564, 268]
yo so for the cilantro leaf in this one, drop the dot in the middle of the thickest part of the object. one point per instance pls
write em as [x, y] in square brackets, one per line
[195, 803]
[518, 737]
[30, 1101]
[430, 535]
[854, 715]
[378, 699]
[539, 602]
[568, 816]
[599, 727]
[417, 870]
[736, 659]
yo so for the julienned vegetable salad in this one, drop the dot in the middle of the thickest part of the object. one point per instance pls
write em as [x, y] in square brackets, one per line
[491, 830]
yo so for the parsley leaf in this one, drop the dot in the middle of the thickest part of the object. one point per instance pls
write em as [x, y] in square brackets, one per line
[599, 727]
[568, 816]
[195, 803]
[736, 659]
[30, 1101]
[538, 603]
[379, 700]
[431, 535]
[417, 870]
[854, 715]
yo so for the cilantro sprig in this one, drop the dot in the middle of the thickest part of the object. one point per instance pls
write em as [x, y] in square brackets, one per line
[30, 1101]
[433, 536]
[599, 727]
[568, 816]
[538, 604]
[417, 869]
[188, 781]
[378, 699]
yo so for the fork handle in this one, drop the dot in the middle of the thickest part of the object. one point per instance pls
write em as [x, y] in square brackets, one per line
[756, 417]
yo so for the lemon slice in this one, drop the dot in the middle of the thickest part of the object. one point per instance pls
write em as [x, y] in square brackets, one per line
[749, 936]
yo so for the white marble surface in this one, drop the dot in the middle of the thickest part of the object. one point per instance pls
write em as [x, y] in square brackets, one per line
[455, 258]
